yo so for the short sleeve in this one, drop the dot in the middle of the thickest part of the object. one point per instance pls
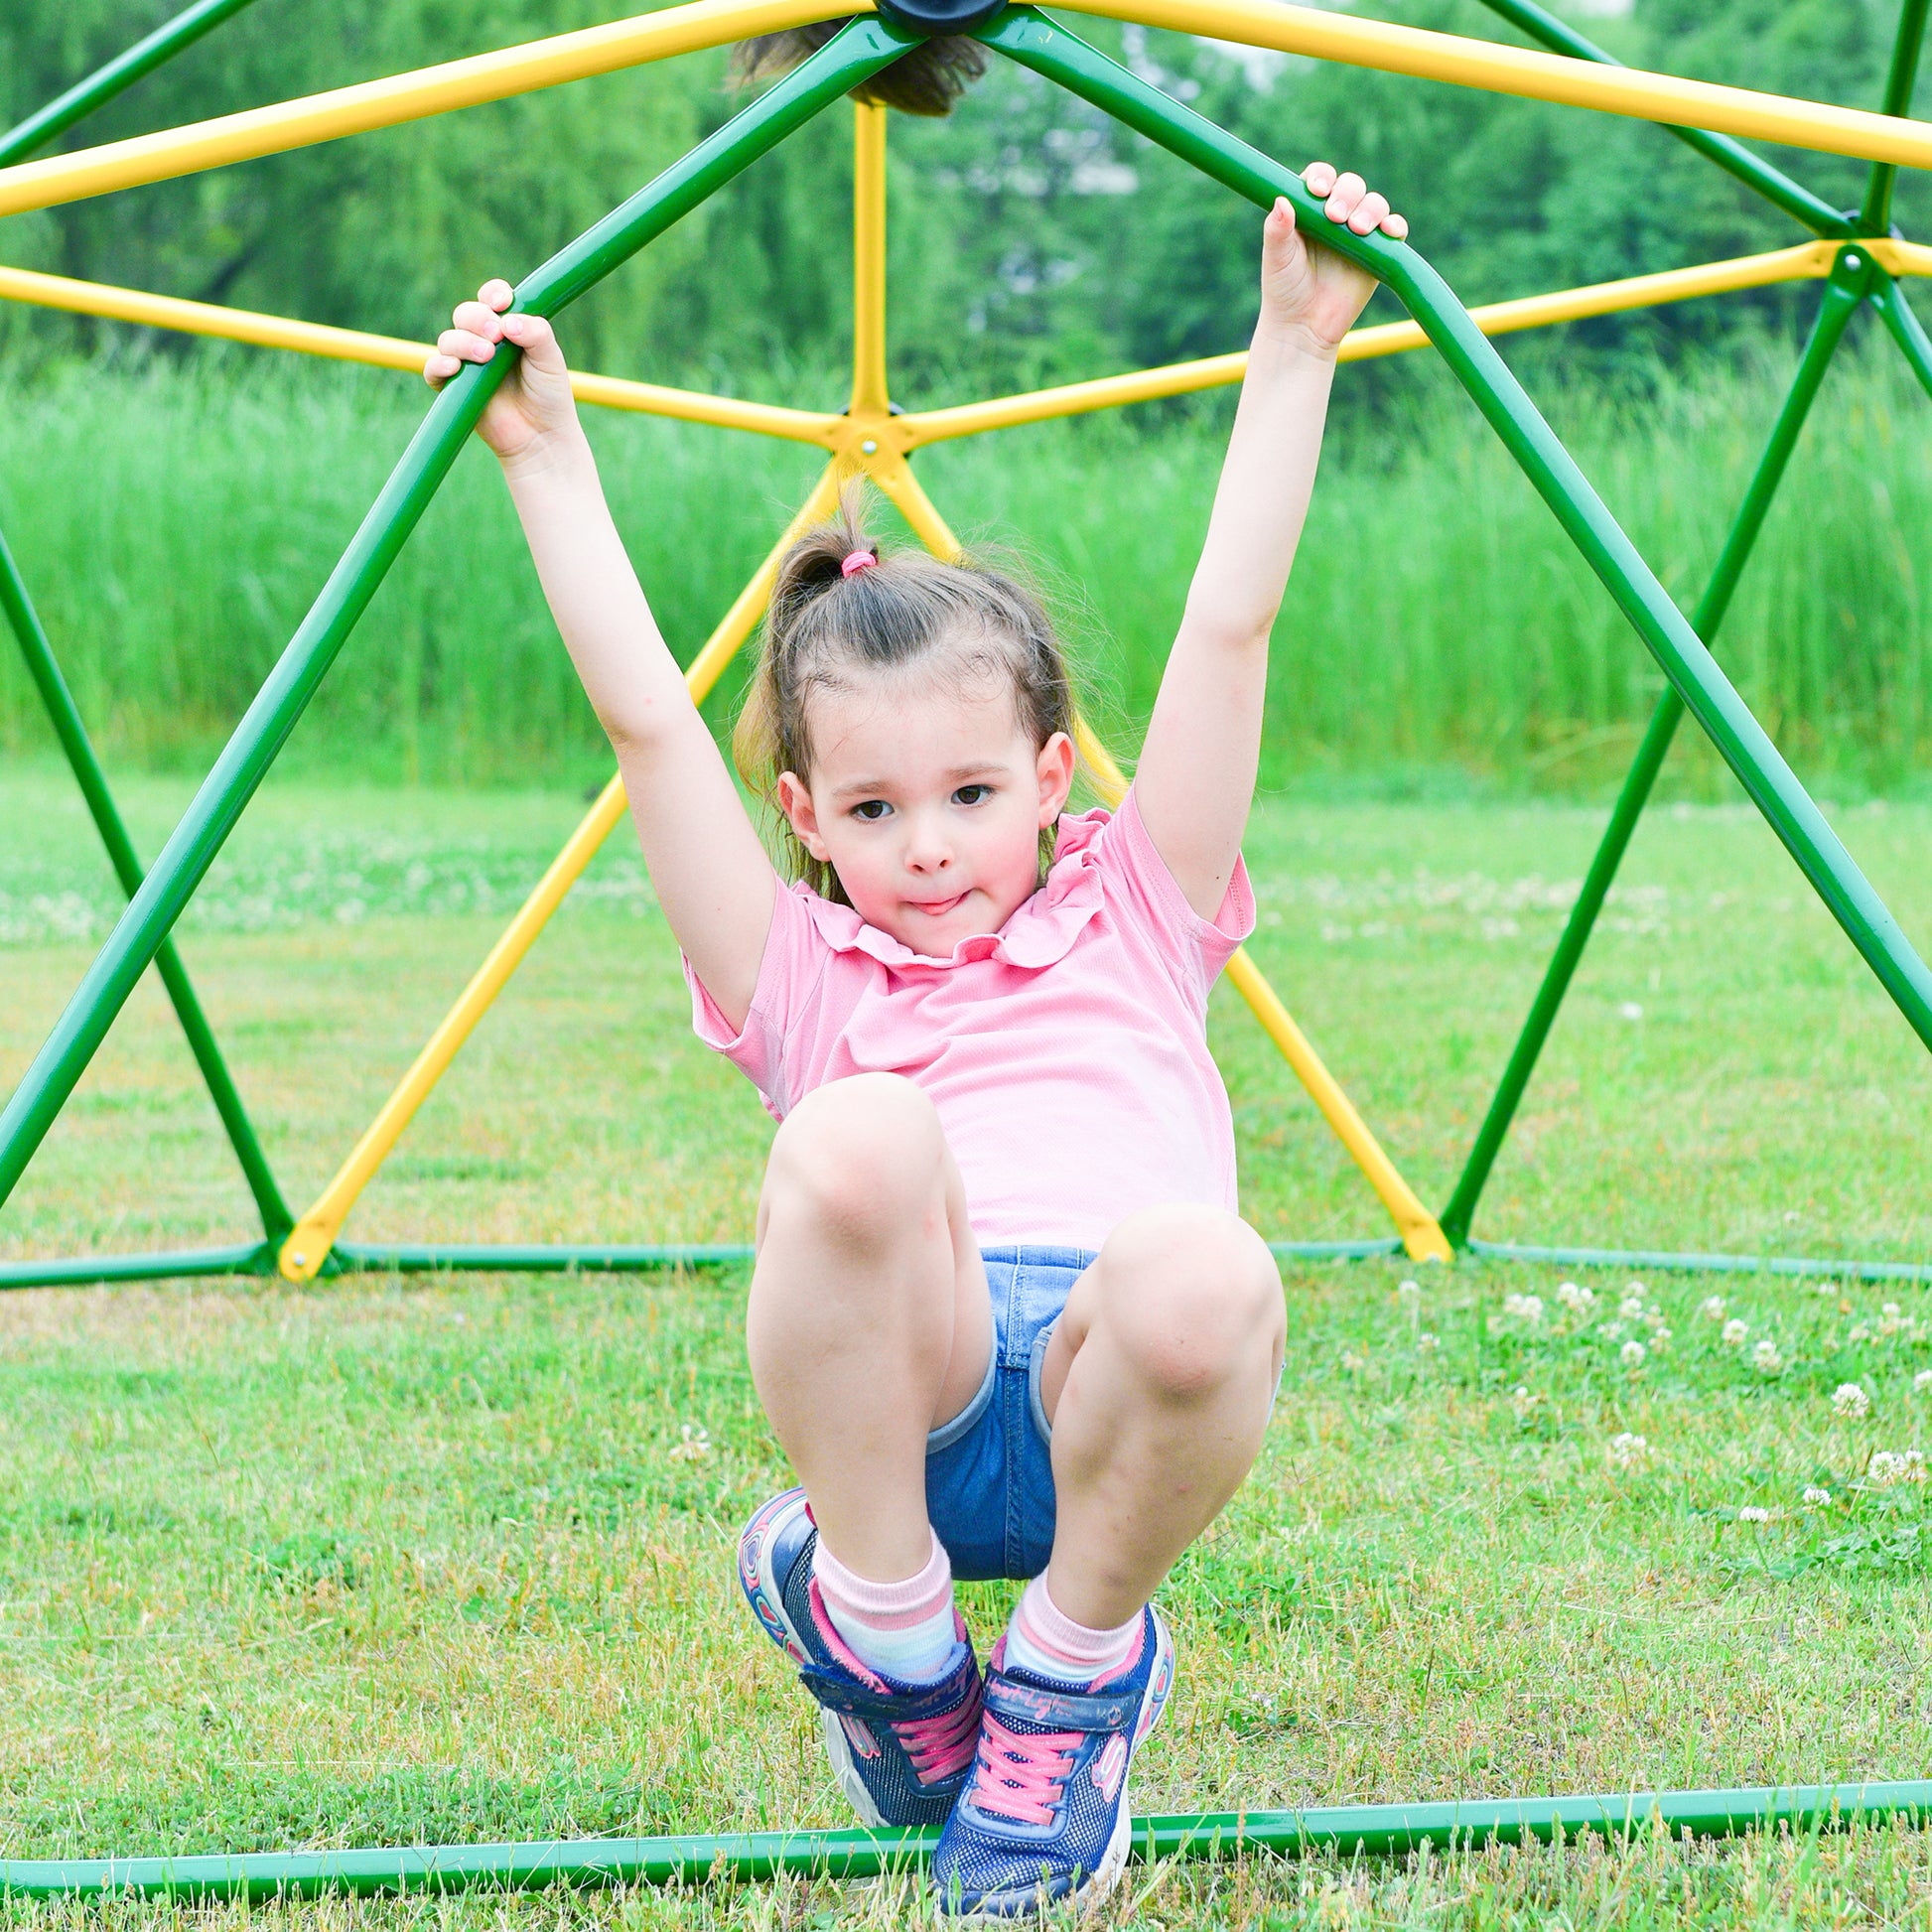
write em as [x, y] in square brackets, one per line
[1199, 947]
[794, 962]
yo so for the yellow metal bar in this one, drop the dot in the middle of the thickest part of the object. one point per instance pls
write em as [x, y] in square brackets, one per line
[403, 97]
[1420, 1235]
[869, 390]
[1901, 257]
[1812, 258]
[307, 1248]
[1539, 76]
[393, 352]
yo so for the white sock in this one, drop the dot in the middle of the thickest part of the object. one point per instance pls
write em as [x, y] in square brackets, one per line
[902, 1630]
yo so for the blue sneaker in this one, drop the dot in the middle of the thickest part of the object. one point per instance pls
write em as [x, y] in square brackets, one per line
[900, 1753]
[1045, 1816]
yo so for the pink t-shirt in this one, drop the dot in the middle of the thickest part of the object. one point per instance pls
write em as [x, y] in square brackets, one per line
[1067, 1053]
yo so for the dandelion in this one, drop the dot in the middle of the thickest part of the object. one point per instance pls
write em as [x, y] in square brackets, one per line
[1817, 1498]
[1632, 1354]
[1733, 1333]
[1922, 1381]
[1766, 1357]
[1751, 1513]
[1522, 1404]
[1629, 1452]
[1429, 1344]
[1527, 1308]
[693, 1447]
[1576, 1298]
[1631, 1307]
[1712, 1307]
[1850, 1402]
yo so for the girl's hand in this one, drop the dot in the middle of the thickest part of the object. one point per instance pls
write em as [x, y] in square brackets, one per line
[1309, 291]
[534, 406]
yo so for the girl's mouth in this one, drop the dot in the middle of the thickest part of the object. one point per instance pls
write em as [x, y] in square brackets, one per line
[936, 909]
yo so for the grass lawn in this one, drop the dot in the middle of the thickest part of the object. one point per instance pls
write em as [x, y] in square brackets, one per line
[426, 1560]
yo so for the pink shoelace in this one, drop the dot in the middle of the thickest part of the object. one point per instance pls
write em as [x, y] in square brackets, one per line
[1021, 1777]
[940, 1745]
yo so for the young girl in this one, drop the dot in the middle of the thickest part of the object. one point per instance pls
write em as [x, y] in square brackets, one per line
[1004, 1317]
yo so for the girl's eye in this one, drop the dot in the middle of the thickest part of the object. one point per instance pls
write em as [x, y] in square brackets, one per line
[871, 810]
[972, 794]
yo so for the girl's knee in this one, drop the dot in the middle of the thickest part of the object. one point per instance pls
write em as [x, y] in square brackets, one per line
[1193, 1297]
[862, 1157]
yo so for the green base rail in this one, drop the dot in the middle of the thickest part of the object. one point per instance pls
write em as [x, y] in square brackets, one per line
[1371, 1831]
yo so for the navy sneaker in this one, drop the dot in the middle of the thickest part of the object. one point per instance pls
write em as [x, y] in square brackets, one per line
[900, 1753]
[1045, 1816]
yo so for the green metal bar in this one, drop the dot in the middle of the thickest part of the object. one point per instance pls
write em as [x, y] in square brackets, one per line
[1842, 292]
[120, 74]
[1035, 42]
[1874, 217]
[257, 1258]
[45, 670]
[1889, 298]
[1693, 1264]
[1371, 1831]
[858, 52]
[1731, 155]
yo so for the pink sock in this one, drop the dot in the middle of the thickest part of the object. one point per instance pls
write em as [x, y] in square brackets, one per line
[902, 1630]
[1045, 1640]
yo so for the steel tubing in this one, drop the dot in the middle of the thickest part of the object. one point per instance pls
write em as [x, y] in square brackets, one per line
[257, 1258]
[1346, 1831]
[1875, 215]
[858, 52]
[1033, 41]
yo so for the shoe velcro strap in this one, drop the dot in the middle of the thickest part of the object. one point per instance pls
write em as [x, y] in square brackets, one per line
[837, 1692]
[1059, 1710]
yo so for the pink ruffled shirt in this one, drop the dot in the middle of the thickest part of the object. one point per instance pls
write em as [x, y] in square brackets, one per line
[1067, 1053]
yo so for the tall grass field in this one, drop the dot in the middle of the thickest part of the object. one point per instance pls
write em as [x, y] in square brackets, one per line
[175, 524]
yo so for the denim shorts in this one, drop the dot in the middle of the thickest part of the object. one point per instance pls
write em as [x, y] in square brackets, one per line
[989, 1473]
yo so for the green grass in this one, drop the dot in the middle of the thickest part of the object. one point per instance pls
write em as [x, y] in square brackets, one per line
[176, 524]
[416, 1561]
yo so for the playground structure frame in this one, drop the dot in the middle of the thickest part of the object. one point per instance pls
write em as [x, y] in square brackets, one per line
[1856, 255]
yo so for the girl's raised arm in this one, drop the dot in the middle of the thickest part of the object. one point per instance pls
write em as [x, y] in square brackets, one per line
[1196, 773]
[710, 872]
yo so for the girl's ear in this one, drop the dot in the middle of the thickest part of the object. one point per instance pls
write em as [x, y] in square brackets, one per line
[796, 805]
[1056, 771]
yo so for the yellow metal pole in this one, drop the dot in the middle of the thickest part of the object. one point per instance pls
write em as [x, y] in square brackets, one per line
[1901, 257]
[393, 352]
[307, 1248]
[869, 391]
[403, 97]
[1812, 258]
[1422, 1237]
[1356, 42]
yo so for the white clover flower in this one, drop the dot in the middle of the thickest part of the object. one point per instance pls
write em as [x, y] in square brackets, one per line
[1629, 1452]
[1659, 1339]
[693, 1447]
[1849, 1400]
[1637, 1289]
[1526, 1308]
[1712, 1307]
[1523, 1404]
[1353, 1362]
[1632, 1354]
[1429, 1344]
[1860, 1333]
[1922, 1381]
[1913, 1470]
[1733, 1333]
[1410, 1291]
[1751, 1513]
[1817, 1498]
[1576, 1298]
[1891, 1320]
[1766, 1357]
[1631, 1307]
[1884, 1468]
[1615, 1329]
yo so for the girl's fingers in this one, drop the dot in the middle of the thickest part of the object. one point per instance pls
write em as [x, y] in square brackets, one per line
[462, 345]
[1370, 213]
[439, 368]
[1394, 226]
[1318, 176]
[484, 323]
[1343, 197]
[495, 293]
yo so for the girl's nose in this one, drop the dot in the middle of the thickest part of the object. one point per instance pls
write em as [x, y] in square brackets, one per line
[927, 849]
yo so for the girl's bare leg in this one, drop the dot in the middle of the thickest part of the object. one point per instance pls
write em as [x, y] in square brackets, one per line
[1158, 1382]
[870, 1321]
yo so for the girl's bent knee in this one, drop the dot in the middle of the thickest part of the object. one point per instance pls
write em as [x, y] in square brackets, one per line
[863, 1158]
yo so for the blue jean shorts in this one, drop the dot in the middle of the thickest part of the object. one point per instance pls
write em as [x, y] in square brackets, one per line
[989, 1473]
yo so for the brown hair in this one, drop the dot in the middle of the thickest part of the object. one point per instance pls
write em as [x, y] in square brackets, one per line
[906, 609]
[925, 80]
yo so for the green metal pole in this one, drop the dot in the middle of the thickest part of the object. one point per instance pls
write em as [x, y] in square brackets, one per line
[1874, 217]
[1906, 330]
[251, 1258]
[1347, 1831]
[1842, 292]
[45, 670]
[1035, 42]
[116, 77]
[858, 52]
[1732, 157]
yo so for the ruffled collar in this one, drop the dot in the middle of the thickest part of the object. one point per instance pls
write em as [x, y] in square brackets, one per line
[1041, 932]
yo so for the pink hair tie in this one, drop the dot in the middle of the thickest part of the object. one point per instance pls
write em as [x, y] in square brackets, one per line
[857, 559]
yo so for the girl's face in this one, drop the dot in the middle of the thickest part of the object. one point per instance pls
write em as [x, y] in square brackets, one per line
[928, 801]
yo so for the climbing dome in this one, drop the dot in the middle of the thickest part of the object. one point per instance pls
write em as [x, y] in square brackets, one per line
[1856, 254]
